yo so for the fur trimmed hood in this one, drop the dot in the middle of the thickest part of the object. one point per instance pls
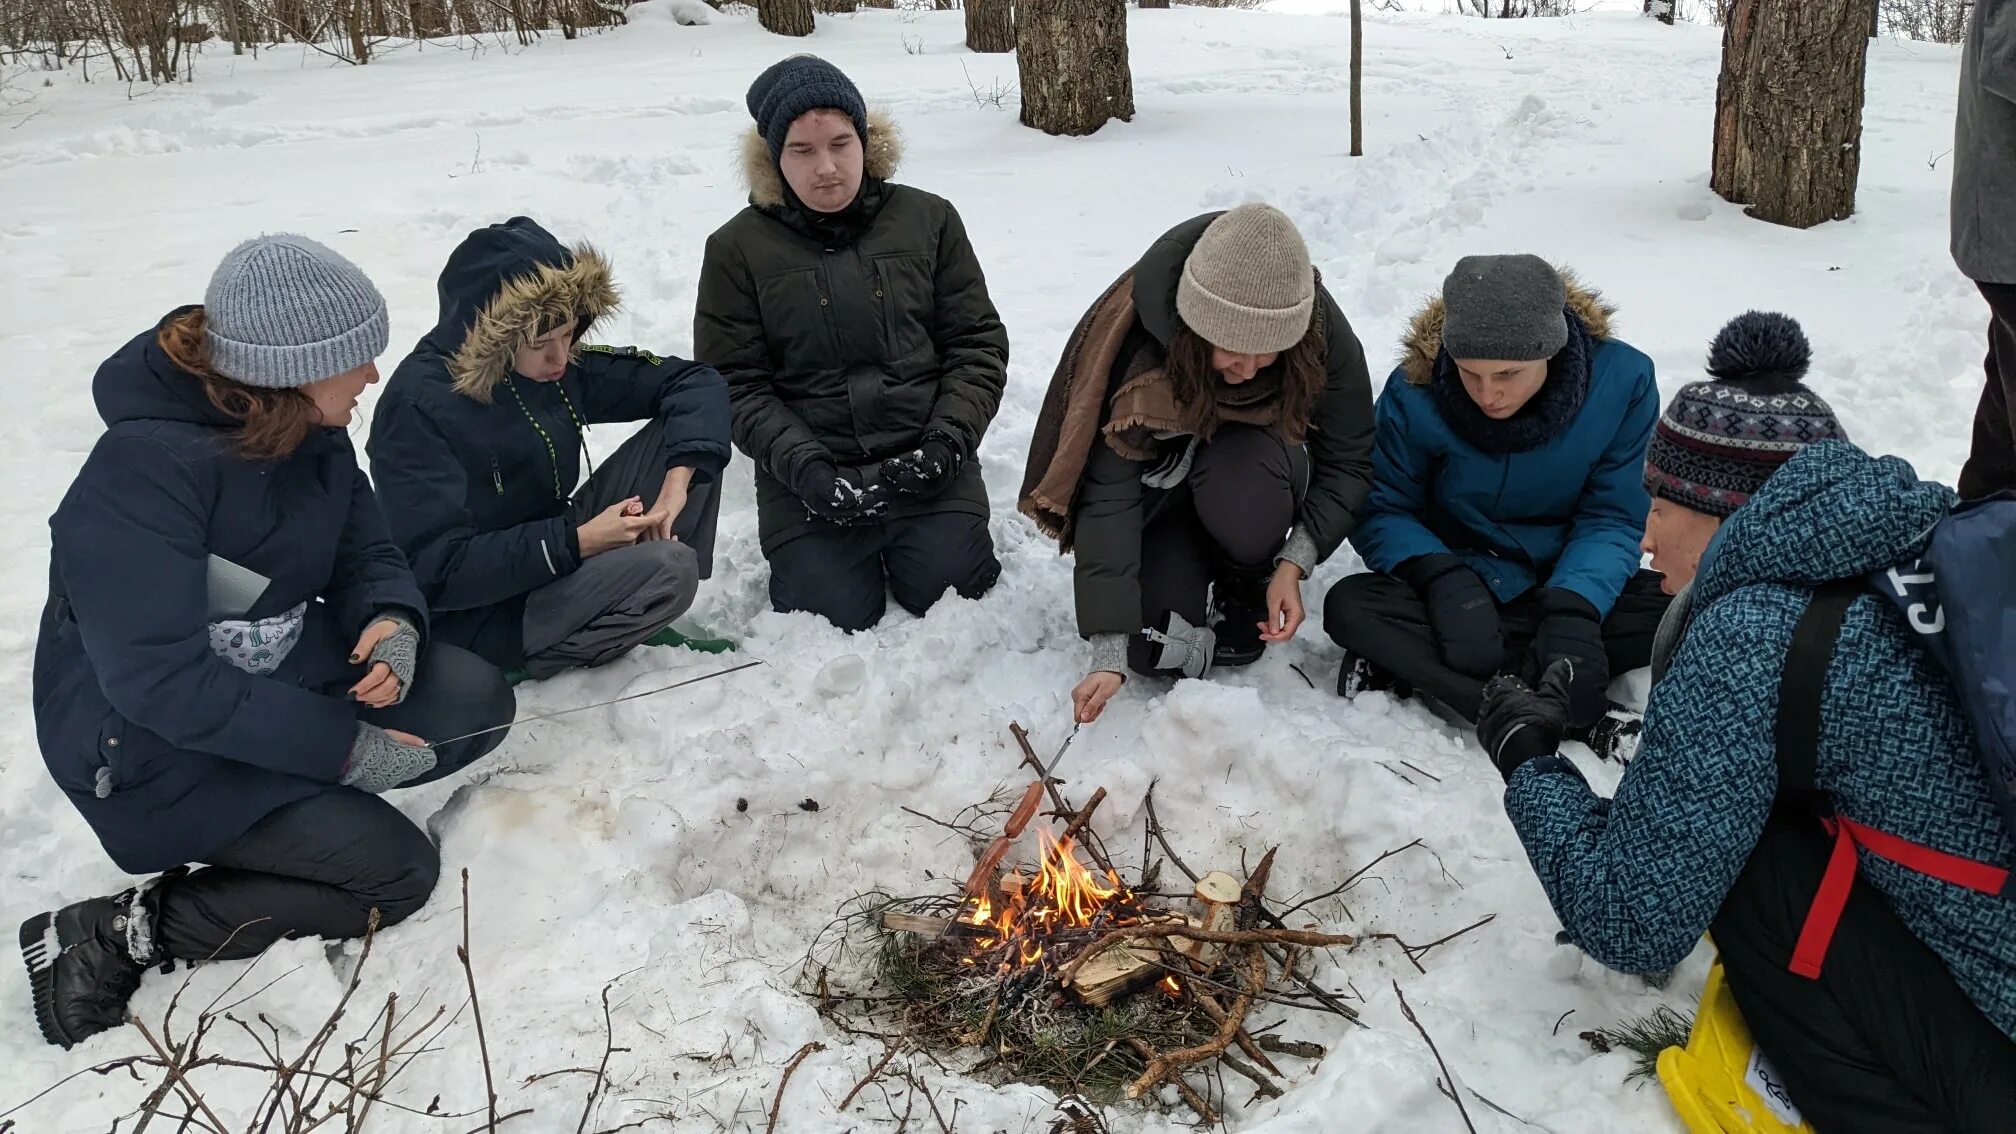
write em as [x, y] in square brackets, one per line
[506, 284]
[766, 182]
[1422, 344]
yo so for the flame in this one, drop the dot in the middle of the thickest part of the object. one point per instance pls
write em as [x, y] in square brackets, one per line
[1062, 895]
[1170, 986]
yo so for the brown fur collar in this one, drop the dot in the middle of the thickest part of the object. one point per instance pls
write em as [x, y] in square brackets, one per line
[766, 183]
[1422, 343]
[514, 316]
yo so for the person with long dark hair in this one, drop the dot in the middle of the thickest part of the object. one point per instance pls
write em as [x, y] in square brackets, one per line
[1205, 443]
[234, 659]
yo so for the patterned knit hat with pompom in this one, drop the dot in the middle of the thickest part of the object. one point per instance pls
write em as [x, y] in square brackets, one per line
[1720, 440]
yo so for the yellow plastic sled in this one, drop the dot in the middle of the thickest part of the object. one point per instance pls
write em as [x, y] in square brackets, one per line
[1719, 1082]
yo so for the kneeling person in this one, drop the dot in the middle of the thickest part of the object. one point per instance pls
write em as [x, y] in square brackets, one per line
[476, 449]
[1905, 1018]
[863, 356]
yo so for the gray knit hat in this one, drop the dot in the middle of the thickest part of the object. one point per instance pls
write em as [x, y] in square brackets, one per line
[283, 311]
[1504, 308]
[1247, 286]
[790, 87]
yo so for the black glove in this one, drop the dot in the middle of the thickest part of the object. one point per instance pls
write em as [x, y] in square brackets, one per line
[924, 471]
[833, 498]
[1517, 724]
[1462, 612]
[1570, 628]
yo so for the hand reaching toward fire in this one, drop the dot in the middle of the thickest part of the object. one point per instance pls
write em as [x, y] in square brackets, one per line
[1089, 699]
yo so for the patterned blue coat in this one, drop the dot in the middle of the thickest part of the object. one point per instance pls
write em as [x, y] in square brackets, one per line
[1636, 880]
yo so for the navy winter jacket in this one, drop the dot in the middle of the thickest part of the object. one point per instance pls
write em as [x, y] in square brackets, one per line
[476, 464]
[168, 750]
[1567, 511]
[1637, 879]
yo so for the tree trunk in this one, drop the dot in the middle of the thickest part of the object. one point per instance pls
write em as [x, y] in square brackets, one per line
[838, 7]
[1072, 55]
[1357, 81]
[990, 25]
[785, 17]
[1155, 4]
[430, 18]
[1788, 109]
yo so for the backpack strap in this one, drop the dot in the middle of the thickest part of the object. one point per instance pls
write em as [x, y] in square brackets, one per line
[1800, 686]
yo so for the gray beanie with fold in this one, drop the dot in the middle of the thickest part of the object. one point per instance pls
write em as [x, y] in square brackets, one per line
[283, 311]
[1504, 308]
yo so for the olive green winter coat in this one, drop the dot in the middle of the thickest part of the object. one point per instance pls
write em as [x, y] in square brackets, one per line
[850, 342]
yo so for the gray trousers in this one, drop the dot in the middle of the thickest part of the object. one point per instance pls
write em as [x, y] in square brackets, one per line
[619, 598]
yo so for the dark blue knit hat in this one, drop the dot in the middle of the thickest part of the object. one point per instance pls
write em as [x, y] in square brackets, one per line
[790, 87]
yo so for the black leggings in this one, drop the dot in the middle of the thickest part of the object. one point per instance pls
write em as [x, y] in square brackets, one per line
[318, 867]
[1991, 466]
[1229, 518]
[1884, 1042]
[1384, 621]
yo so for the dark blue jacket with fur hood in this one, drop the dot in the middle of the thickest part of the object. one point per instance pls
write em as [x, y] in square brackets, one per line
[476, 465]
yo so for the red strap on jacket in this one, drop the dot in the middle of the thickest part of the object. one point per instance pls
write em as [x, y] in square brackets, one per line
[1824, 916]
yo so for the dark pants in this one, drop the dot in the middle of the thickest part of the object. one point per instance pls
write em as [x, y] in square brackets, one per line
[317, 867]
[845, 574]
[1991, 467]
[1221, 527]
[619, 598]
[1884, 1042]
[1385, 621]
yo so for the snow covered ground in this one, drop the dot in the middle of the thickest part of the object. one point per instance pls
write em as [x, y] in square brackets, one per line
[612, 843]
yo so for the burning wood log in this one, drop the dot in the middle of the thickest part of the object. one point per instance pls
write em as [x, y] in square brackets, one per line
[1117, 972]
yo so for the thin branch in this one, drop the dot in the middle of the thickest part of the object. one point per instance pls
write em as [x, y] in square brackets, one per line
[1298, 907]
[176, 1073]
[476, 1008]
[1408, 1011]
[874, 1073]
[804, 1053]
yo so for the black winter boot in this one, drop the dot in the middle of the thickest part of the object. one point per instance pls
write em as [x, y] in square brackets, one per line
[1239, 605]
[1359, 675]
[1615, 735]
[84, 963]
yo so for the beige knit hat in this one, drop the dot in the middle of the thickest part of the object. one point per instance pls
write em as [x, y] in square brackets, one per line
[1247, 286]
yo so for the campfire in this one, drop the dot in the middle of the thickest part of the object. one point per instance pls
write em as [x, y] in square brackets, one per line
[1058, 971]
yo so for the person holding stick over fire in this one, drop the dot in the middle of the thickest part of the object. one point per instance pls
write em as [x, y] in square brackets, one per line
[1205, 443]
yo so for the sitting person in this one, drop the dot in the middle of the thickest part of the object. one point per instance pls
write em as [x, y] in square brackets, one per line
[1506, 506]
[234, 657]
[476, 449]
[1206, 442]
[1904, 1020]
[863, 356]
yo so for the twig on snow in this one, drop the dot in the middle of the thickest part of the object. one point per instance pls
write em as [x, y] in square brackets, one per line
[476, 1009]
[804, 1053]
[1408, 1011]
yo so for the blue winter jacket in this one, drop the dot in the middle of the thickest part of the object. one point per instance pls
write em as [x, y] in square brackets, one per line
[476, 465]
[169, 751]
[1568, 511]
[1637, 880]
